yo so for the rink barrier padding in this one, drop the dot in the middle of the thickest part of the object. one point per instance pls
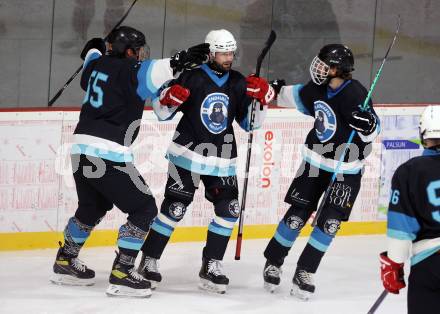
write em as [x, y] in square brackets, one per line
[36, 201]
[45, 240]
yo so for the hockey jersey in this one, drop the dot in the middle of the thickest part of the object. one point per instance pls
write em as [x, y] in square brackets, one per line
[332, 110]
[204, 141]
[116, 91]
[414, 209]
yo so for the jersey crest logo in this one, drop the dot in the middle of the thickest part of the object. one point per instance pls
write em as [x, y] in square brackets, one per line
[214, 112]
[325, 121]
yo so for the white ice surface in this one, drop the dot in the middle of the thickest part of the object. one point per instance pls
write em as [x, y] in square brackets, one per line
[346, 282]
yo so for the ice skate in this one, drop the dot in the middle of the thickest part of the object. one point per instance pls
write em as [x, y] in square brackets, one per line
[71, 271]
[149, 269]
[126, 282]
[211, 276]
[271, 276]
[303, 287]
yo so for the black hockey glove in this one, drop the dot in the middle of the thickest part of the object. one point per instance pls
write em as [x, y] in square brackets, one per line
[363, 121]
[191, 58]
[277, 84]
[94, 43]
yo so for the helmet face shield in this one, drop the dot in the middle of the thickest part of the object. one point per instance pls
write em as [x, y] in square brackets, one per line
[319, 71]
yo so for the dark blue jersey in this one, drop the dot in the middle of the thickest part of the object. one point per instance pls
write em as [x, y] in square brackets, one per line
[414, 209]
[204, 141]
[332, 110]
[116, 90]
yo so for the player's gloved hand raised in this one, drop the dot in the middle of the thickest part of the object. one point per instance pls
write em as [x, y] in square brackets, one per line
[174, 96]
[363, 121]
[277, 84]
[258, 88]
[391, 274]
[94, 43]
[191, 58]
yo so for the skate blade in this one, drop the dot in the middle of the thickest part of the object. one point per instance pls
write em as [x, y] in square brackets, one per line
[212, 287]
[270, 287]
[122, 291]
[68, 280]
[300, 294]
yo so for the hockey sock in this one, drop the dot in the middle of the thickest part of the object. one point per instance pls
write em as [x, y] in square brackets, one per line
[75, 235]
[315, 249]
[282, 241]
[130, 239]
[219, 233]
[159, 235]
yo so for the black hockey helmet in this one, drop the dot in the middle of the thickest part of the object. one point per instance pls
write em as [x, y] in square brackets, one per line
[337, 55]
[123, 38]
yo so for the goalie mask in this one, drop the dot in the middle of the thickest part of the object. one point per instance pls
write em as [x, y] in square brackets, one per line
[333, 55]
[430, 124]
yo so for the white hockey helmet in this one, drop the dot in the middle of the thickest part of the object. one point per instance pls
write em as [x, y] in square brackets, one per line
[430, 123]
[221, 40]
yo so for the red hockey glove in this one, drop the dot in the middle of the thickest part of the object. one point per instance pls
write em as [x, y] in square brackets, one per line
[391, 274]
[258, 88]
[174, 96]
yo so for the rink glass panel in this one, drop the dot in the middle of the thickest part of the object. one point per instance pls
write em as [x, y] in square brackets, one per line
[40, 40]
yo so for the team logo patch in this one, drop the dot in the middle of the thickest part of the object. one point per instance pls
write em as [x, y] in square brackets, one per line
[295, 222]
[234, 208]
[331, 226]
[177, 210]
[325, 121]
[214, 112]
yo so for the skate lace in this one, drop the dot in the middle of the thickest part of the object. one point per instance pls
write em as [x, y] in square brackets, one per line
[151, 264]
[215, 267]
[134, 274]
[273, 271]
[305, 277]
[78, 264]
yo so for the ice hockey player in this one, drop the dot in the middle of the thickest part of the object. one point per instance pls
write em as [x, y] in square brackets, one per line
[414, 223]
[333, 98]
[117, 85]
[204, 148]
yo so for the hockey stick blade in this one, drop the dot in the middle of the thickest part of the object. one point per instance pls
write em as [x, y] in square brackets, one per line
[269, 42]
[378, 302]
[58, 94]
[364, 107]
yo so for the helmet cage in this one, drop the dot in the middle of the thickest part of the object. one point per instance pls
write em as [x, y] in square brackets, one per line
[319, 71]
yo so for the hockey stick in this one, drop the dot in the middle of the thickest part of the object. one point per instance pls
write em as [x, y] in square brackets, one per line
[365, 106]
[378, 302]
[270, 40]
[58, 94]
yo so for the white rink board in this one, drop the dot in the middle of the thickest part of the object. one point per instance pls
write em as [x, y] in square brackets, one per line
[36, 196]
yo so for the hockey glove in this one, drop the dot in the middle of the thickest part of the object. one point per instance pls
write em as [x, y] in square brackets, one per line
[258, 88]
[363, 121]
[174, 96]
[191, 58]
[94, 43]
[391, 274]
[277, 84]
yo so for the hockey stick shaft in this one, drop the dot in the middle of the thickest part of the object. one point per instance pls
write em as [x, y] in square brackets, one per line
[58, 94]
[365, 106]
[270, 40]
[378, 302]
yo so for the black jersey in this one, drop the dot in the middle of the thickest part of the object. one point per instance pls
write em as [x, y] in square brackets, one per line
[332, 110]
[115, 93]
[414, 209]
[204, 141]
